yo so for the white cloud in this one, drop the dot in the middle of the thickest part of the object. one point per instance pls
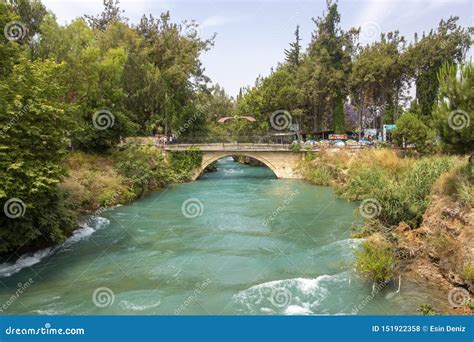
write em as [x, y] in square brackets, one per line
[218, 20]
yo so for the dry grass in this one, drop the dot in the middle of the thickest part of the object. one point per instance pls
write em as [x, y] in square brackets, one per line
[457, 183]
[93, 182]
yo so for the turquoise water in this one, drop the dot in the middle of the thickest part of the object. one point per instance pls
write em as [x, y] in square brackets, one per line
[237, 241]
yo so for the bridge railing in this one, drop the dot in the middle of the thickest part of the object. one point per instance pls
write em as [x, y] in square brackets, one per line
[244, 139]
[204, 140]
[229, 147]
[250, 142]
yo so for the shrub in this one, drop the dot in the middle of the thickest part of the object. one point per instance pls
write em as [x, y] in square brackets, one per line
[470, 304]
[426, 310]
[465, 193]
[444, 247]
[401, 186]
[364, 183]
[47, 221]
[184, 163]
[143, 167]
[468, 273]
[93, 182]
[411, 130]
[375, 259]
[319, 174]
[420, 178]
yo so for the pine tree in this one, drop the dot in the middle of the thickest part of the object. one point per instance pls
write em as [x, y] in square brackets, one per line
[293, 53]
[111, 13]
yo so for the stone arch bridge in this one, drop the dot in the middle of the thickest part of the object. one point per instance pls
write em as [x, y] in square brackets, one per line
[278, 157]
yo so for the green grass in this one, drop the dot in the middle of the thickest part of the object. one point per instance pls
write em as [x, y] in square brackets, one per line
[426, 310]
[468, 273]
[375, 260]
[402, 186]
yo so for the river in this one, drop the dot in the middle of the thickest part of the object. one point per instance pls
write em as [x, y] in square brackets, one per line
[237, 241]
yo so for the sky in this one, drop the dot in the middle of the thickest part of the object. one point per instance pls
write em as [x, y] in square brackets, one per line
[252, 34]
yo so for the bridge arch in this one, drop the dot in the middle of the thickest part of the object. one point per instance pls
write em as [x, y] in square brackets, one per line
[209, 158]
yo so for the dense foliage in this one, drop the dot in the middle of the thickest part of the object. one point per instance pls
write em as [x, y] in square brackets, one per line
[185, 162]
[339, 84]
[454, 115]
[32, 146]
[87, 86]
[411, 130]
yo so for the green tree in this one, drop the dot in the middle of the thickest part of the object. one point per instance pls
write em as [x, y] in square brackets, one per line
[31, 15]
[449, 43]
[325, 70]
[293, 54]
[174, 51]
[32, 148]
[454, 113]
[278, 91]
[338, 113]
[378, 78]
[411, 130]
[111, 14]
[95, 76]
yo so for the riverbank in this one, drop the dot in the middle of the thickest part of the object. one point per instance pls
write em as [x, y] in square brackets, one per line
[129, 173]
[418, 214]
[95, 182]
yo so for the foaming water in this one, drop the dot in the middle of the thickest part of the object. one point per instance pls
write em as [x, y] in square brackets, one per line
[252, 244]
[27, 260]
